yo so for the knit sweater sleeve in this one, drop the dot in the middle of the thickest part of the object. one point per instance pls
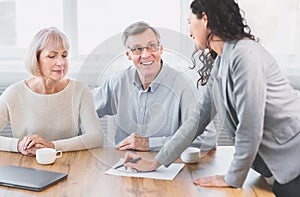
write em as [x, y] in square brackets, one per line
[92, 135]
[55, 117]
[6, 143]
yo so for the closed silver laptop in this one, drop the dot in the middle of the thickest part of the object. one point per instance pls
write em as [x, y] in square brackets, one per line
[28, 178]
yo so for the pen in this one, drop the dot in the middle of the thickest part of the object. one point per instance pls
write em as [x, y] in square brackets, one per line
[130, 161]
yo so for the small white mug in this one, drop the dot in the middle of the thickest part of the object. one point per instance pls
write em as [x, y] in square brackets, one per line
[190, 155]
[47, 155]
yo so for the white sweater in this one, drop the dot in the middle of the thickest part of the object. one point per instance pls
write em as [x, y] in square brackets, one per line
[55, 117]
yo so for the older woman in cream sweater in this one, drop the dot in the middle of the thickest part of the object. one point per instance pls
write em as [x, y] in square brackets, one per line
[48, 109]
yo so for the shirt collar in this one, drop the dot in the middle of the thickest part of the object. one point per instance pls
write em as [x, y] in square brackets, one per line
[161, 75]
[136, 80]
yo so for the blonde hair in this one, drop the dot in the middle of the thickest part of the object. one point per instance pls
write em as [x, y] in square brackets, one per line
[50, 38]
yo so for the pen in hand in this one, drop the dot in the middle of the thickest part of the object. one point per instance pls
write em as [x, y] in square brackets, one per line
[130, 161]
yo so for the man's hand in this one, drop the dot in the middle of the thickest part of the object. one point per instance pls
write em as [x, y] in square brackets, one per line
[135, 142]
[211, 181]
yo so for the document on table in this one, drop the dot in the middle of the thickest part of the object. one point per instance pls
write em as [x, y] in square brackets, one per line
[162, 172]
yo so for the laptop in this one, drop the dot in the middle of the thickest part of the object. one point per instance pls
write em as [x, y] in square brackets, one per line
[28, 178]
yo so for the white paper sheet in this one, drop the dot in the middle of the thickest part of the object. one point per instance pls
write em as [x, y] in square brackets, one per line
[161, 173]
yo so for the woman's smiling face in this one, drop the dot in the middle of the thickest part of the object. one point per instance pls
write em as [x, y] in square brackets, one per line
[198, 30]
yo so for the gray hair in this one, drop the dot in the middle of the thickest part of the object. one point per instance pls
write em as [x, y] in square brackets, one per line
[138, 28]
[50, 38]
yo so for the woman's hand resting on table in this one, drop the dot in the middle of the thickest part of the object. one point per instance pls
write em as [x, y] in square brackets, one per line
[211, 181]
[29, 144]
[141, 165]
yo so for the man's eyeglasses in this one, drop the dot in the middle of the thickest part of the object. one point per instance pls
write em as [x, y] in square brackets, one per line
[140, 50]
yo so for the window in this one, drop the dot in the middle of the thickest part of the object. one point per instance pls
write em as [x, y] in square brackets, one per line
[86, 22]
[100, 20]
[90, 22]
[19, 22]
[277, 24]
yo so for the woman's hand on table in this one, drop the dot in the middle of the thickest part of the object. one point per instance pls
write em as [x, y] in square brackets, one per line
[29, 144]
[141, 165]
[22, 150]
[211, 181]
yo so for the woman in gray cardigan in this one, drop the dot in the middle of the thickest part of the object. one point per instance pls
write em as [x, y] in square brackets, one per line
[247, 95]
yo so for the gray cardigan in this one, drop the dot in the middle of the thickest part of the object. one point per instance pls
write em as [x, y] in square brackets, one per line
[258, 108]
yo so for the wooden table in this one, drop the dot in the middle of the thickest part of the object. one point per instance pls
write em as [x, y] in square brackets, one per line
[86, 177]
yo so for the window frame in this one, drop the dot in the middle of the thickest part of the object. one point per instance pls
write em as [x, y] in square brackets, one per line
[11, 57]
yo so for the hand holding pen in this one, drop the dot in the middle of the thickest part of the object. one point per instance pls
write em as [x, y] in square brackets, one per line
[140, 164]
[129, 161]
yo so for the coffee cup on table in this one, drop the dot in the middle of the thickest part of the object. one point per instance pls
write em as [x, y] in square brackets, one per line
[47, 155]
[190, 155]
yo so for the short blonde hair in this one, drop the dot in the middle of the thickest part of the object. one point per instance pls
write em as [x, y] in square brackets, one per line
[50, 38]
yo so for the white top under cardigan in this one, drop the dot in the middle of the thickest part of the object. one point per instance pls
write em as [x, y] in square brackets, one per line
[55, 117]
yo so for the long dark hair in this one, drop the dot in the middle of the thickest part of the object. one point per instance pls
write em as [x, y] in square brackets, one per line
[225, 20]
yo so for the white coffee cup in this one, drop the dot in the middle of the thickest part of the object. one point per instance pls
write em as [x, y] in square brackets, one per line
[47, 155]
[190, 155]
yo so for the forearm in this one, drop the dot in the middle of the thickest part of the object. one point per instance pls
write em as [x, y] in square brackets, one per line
[142, 165]
[8, 144]
[155, 164]
[180, 141]
[85, 141]
[207, 140]
[155, 143]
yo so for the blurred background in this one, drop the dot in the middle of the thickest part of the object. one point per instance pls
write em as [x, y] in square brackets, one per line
[88, 23]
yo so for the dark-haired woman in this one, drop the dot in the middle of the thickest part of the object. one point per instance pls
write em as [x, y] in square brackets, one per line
[247, 95]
